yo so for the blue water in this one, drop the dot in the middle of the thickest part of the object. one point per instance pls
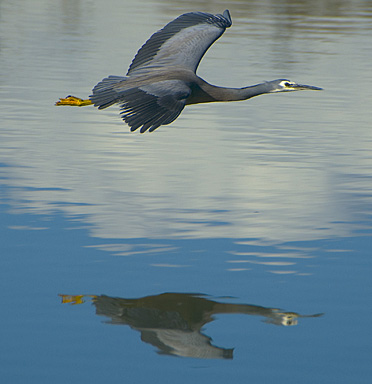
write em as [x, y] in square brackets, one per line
[60, 342]
[234, 244]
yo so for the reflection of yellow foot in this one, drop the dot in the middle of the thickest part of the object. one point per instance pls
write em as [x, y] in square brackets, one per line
[69, 299]
[73, 101]
[75, 299]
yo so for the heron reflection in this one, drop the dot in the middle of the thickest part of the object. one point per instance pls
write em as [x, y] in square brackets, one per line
[173, 322]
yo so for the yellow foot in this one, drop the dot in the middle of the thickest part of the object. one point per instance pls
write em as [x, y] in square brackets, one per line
[73, 101]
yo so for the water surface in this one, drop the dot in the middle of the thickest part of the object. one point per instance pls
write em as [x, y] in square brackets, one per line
[253, 217]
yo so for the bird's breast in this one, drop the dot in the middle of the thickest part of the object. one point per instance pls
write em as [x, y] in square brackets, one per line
[199, 95]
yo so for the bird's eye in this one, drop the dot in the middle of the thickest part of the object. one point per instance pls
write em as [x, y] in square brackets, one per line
[287, 84]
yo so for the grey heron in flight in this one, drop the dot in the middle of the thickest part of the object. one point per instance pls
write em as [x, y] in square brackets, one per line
[162, 79]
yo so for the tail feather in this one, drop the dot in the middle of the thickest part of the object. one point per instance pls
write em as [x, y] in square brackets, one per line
[104, 93]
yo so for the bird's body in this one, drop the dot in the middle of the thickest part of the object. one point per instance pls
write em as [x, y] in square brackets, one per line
[162, 78]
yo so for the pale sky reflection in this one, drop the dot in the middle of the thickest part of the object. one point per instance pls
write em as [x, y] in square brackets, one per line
[275, 169]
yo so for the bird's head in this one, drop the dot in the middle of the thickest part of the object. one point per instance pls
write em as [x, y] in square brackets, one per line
[284, 85]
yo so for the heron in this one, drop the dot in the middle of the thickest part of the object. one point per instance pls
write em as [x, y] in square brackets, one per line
[162, 79]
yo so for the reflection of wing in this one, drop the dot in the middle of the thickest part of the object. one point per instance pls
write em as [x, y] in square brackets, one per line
[184, 343]
[182, 42]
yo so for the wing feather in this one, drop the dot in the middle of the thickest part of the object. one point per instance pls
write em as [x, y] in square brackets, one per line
[153, 105]
[182, 42]
[147, 99]
[104, 93]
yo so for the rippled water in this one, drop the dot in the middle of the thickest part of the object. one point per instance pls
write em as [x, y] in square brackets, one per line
[238, 237]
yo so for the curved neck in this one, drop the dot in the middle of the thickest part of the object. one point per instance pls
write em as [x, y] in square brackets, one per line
[205, 93]
[234, 94]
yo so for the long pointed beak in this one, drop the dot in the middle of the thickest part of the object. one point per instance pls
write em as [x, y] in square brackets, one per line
[300, 87]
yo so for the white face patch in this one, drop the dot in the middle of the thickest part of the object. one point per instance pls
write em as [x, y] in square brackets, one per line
[286, 83]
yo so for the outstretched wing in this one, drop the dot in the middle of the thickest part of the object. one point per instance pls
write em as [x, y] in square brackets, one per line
[182, 42]
[147, 106]
[153, 105]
